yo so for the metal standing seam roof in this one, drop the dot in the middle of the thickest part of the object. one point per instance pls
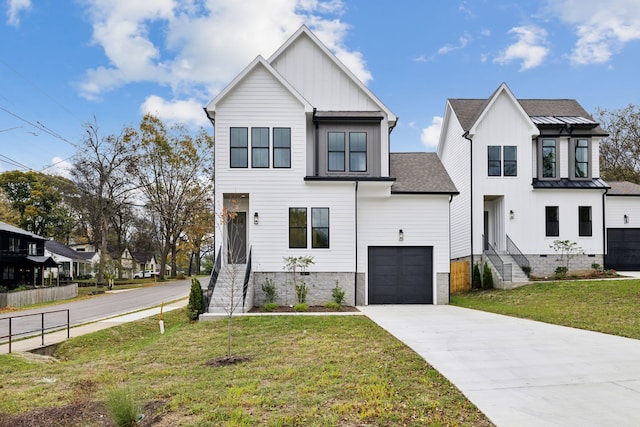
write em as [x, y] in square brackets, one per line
[419, 173]
[566, 183]
[13, 229]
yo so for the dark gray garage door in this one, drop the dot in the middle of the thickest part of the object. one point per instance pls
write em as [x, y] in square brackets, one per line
[623, 249]
[401, 275]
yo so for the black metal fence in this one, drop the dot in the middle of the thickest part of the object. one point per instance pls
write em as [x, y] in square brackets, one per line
[28, 325]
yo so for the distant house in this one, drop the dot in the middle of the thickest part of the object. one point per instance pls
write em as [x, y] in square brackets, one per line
[303, 160]
[138, 264]
[73, 264]
[528, 175]
[22, 257]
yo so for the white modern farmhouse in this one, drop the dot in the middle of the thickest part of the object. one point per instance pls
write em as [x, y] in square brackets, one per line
[528, 175]
[303, 161]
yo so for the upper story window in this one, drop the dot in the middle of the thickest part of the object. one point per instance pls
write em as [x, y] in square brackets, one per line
[33, 249]
[319, 227]
[496, 166]
[336, 151]
[549, 158]
[14, 244]
[580, 158]
[239, 147]
[297, 227]
[259, 147]
[552, 221]
[281, 147]
[357, 151]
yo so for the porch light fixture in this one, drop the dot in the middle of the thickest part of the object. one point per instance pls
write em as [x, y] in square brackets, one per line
[256, 218]
[400, 235]
[511, 214]
[626, 219]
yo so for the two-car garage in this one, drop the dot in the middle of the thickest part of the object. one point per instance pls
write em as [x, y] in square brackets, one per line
[400, 274]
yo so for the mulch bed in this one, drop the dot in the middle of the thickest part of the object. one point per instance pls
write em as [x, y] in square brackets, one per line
[312, 309]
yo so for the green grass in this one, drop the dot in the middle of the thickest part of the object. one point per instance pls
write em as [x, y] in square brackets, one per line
[302, 370]
[609, 306]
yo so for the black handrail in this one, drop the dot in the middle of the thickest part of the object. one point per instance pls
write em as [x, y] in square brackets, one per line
[41, 329]
[212, 281]
[517, 255]
[504, 270]
[245, 285]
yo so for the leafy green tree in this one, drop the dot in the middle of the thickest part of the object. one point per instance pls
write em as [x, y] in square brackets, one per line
[620, 151]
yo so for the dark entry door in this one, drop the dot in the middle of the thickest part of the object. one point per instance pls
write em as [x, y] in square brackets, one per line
[401, 275]
[237, 239]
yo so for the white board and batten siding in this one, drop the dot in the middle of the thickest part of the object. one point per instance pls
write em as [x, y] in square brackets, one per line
[424, 220]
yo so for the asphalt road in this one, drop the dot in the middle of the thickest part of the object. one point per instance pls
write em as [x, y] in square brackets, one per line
[92, 309]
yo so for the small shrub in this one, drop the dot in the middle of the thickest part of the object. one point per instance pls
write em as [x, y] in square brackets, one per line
[337, 293]
[332, 305]
[180, 276]
[303, 306]
[301, 292]
[269, 289]
[122, 408]
[476, 282]
[487, 277]
[527, 270]
[561, 272]
[195, 306]
[270, 306]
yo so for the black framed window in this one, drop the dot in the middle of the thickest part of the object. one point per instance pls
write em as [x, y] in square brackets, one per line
[239, 147]
[552, 221]
[259, 147]
[358, 151]
[510, 160]
[493, 160]
[319, 227]
[336, 148]
[549, 158]
[584, 221]
[281, 147]
[297, 227]
[581, 158]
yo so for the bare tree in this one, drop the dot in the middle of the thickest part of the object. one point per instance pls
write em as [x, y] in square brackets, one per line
[620, 151]
[174, 173]
[101, 172]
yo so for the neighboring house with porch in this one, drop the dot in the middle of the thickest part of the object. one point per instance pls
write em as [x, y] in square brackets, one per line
[528, 175]
[623, 226]
[72, 264]
[303, 161]
[22, 258]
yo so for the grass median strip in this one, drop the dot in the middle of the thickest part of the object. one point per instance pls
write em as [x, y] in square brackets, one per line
[299, 370]
[609, 306]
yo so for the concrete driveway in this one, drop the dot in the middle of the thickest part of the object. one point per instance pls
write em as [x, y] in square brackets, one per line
[520, 372]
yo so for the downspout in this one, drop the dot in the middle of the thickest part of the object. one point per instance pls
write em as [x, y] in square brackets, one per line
[213, 123]
[450, 200]
[316, 145]
[465, 135]
[355, 274]
[604, 227]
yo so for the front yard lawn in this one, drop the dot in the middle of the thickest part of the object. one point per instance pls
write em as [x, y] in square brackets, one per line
[609, 306]
[301, 371]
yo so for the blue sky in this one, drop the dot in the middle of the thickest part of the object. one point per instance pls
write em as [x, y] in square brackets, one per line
[66, 63]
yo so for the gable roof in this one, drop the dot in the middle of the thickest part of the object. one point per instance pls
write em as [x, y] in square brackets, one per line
[468, 111]
[304, 31]
[623, 188]
[62, 250]
[259, 61]
[419, 173]
[15, 230]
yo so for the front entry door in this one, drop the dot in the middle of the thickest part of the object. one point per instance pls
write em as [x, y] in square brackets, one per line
[237, 239]
[485, 243]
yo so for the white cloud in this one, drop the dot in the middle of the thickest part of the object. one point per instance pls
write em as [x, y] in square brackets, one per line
[463, 41]
[530, 48]
[431, 133]
[602, 28]
[187, 111]
[196, 48]
[60, 166]
[13, 10]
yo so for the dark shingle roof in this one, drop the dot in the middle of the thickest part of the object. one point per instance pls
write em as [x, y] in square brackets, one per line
[62, 250]
[623, 188]
[468, 110]
[419, 173]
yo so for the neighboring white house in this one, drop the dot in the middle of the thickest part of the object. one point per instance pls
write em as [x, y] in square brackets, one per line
[623, 226]
[528, 175]
[72, 264]
[302, 156]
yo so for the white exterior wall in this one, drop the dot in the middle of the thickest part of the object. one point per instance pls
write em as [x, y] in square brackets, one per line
[424, 220]
[619, 206]
[454, 155]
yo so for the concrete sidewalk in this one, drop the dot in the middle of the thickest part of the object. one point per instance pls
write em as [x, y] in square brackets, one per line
[521, 372]
[30, 344]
